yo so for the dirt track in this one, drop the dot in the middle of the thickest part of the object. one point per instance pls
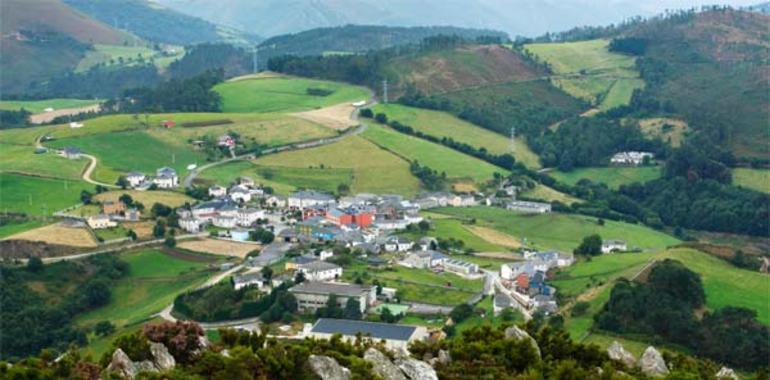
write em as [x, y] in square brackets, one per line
[46, 117]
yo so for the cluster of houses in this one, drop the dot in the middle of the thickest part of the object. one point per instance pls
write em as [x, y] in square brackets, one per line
[165, 178]
[112, 212]
[426, 258]
[527, 280]
[631, 158]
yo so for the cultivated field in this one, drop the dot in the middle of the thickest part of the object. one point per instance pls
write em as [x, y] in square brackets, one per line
[219, 247]
[58, 234]
[336, 117]
[495, 237]
[38, 106]
[14, 227]
[119, 55]
[147, 198]
[562, 231]
[38, 196]
[284, 94]
[757, 179]
[588, 70]
[548, 194]
[456, 165]
[374, 169]
[613, 177]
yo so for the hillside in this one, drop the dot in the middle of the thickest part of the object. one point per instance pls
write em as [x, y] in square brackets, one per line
[711, 68]
[155, 23]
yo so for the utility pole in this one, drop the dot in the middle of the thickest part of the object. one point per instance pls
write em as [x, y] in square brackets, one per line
[385, 91]
[513, 141]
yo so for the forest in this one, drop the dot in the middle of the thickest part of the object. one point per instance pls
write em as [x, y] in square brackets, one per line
[193, 94]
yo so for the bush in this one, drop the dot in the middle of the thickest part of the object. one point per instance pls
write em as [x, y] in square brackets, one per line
[35, 264]
[104, 328]
[580, 308]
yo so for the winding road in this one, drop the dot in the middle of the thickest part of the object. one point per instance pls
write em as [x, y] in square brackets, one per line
[88, 170]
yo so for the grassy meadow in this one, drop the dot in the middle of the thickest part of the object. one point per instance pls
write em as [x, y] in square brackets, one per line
[562, 232]
[284, 94]
[38, 196]
[37, 106]
[549, 194]
[114, 55]
[282, 179]
[14, 227]
[374, 169]
[755, 179]
[613, 177]
[23, 160]
[667, 129]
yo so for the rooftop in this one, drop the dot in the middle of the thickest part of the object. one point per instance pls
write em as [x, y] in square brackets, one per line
[318, 265]
[374, 329]
[325, 288]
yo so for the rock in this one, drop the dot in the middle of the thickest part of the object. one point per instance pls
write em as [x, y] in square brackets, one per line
[145, 366]
[651, 363]
[327, 368]
[727, 373]
[122, 364]
[225, 353]
[619, 353]
[203, 342]
[516, 333]
[382, 366]
[444, 357]
[417, 369]
[161, 357]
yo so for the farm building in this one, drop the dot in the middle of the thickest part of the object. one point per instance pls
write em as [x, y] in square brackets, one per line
[459, 266]
[135, 179]
[609, 246]
[631, 158]
[71, 153]
[395, 336]
[529, 207]
[313, 295]
[100, 221]
[166, 178]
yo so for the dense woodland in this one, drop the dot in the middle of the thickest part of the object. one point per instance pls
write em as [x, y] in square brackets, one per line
[665, 306]
[222, 302]
[193, 94]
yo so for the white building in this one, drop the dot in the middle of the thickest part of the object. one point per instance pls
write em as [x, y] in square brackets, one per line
[217, 191]
[100, 221]
[248, 216]
[304, 199]
[135, 179]
[511, 270]
[320, 271]
[630, 158]
[529, 207]
[225, 221]
[313, 295]
[424, 259]
[609, 246]
[190, 225]
[166, 178]
[240, 193]
[250, 279]
[459, 266]
[398, 244]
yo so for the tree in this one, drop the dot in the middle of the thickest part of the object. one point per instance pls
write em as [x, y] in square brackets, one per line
[424, 226]
[591, 246]
[299, 278]
[85, 197]
[381, 118]
[352, 309]
[131, 235]
[104, 328]
[170, 242]
[159, 209]
[159, 230]
[122, 182]
[267, 273]
[97, 293]
[367, 112]
[343, 189]
[461, 312]
[35, 264]
[127, 200]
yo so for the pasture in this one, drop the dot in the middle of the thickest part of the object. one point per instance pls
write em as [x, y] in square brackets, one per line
[456, 165]
[548, 194]
[755, 179]
[282, 179]
[285, 94]
[455, 229]
[38, 106]
[22, 159]
[114, 55]
[670, 130]
[147, 198]
[613, 176]
[373, 169]
[562, 232]
[38, 196]
[588, 70]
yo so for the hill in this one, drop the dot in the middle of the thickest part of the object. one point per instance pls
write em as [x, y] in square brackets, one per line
[156, 23]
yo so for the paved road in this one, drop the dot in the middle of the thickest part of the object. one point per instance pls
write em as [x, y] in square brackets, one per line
[271, 253]
[89, 169]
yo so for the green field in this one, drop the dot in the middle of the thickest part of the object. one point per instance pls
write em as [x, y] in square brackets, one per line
[374, 169]
[613, 177]
[562, 231]
[588, 70]
[37, 106]
[114, 55]
[545, 193]
[442, 124]
[22, 159]
[284, 94]
[456, 165]
[38, 196]
[756, 179]
[454, 228]
[283, 180]
[14, 227]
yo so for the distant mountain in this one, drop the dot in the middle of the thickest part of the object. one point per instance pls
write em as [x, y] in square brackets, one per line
[155, 23]
[761, 7]
[516, 17]
[43, 38]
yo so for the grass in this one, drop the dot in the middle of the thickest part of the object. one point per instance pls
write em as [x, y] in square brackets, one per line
[283, 180]
[38, 106]
[613, 177]
[374, 169]
[667, 129]
[115, 53]
[456, 165]
[454, 228]
[23, 160]
[588, 70]
[755, 179]
[562, 231]
[38, 196]
[284, 94]
[113, 233]
[14, 227]
[548, 194]
[148, 198]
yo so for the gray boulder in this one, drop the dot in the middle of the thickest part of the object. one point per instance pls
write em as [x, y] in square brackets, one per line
[518, 334]
[162, 359]
[327, 368]
[652, 364]
[444, 357]
[382, 366]
[619, 353]
[417, 369]
[124, 366]
[727, 373]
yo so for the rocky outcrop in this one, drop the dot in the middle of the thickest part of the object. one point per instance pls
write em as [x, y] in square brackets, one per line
[327, 368]
[652, 364]
[382, 366]
[444, 357]
[124, 366]
[726, 374]
[518, 334]
[417, 369]
[619, 353]
[161, 357]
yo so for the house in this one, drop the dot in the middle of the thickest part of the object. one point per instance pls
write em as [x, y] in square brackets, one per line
[132, 215]
[246, 181]
[553, 258]
[426, 242]
[501, 302]
[71, 153]
[395, 336]
[190, 225]
[240, 193]
[222, 221]
[398, 244]
[510, 271]
[424, 259]
[113, 208]
[100, 221]
[166, 178]
[631, 158]
[168, 124]
[529, 207]
[609, 246]
[250, 279]
[248, 216]
[313, 295]
[276, 201]
[461, 267]
[350, 216]
[302, 199]
[298, 261]
[217, 191]
[135, 179]
[226, 140]
[320, 271]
